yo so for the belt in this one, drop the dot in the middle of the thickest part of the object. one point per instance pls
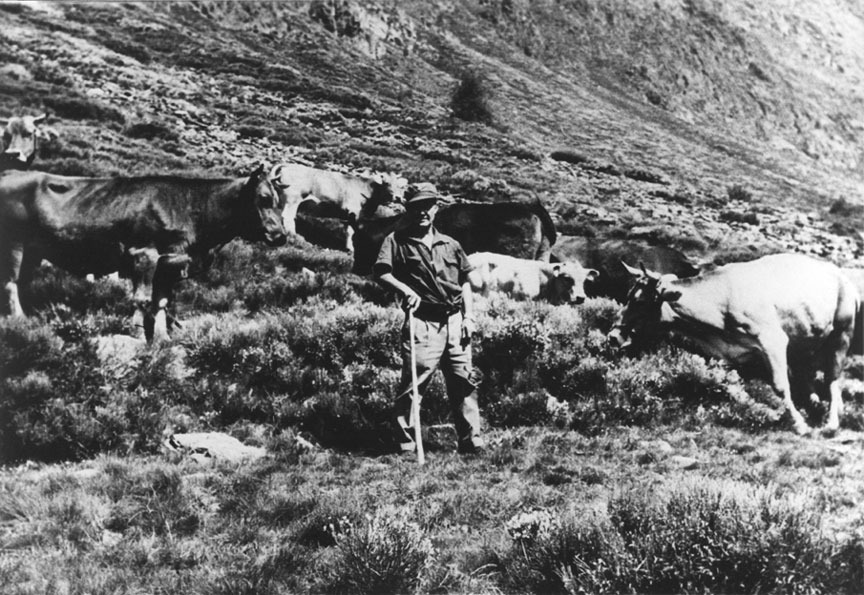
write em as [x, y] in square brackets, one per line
[436, 312]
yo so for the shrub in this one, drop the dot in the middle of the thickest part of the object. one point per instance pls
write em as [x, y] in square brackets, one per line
[387, 554]
[152, 129]
[470, 99]
[81, 108]
[701, 536]
[739, 193]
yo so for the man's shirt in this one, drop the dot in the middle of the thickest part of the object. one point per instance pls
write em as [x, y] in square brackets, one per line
[435, 274]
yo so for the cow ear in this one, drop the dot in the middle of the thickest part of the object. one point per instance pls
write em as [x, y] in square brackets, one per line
[667, 293]
[556, 269]
[39, 118]
[592, 274]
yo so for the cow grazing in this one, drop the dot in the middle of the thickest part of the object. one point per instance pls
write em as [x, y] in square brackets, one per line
[353, 196]
[89, 225]
[792, 314]
[511, 228]
[21, 136]
[606, 256]
[558, 283]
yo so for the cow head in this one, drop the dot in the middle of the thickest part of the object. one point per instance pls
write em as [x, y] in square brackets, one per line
[386, 188]
[567, 285]
[264, 220]
[641, 312]
[21, 137]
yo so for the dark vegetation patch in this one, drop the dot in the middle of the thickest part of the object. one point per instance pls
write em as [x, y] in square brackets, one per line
[82, 108]
[470, 100]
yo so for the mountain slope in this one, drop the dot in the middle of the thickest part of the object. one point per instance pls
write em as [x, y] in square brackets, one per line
[662, 106]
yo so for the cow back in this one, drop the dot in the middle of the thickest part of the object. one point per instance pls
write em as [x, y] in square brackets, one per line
[606, 256]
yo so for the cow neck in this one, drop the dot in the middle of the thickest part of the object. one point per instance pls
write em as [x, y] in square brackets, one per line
[701, 304]
[221, 214]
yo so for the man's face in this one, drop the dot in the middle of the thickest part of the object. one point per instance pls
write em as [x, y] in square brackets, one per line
[422, 213]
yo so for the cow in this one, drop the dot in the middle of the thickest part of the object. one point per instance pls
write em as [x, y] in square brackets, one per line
[89, 225]
[354, 197]
[789, 314]
[512, 228]
[21, 136]
[558, 283]
[606, 256]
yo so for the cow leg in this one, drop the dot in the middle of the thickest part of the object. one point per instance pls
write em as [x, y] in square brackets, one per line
[774, 347]
[29, 263]
[289, 213]
[835, 358]
[10, 271]
[349, 238]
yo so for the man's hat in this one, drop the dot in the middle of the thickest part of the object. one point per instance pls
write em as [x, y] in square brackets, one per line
[421, 192]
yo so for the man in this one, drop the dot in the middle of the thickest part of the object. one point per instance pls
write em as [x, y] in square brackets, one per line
[429, 271]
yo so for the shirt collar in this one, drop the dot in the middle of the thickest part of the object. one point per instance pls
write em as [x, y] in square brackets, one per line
[437, 237]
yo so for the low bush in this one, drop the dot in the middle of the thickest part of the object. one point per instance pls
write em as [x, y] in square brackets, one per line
[81, 108]
[736, 192]
[702, 536]
[152, 129]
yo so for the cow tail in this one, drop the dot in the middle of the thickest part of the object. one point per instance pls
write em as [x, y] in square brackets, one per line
[550, 234]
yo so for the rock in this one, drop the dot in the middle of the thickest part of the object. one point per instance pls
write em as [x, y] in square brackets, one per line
[684, 463]
[118, 353]
[204, 446]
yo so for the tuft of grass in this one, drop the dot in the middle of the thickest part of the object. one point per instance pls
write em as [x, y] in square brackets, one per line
[387, 554]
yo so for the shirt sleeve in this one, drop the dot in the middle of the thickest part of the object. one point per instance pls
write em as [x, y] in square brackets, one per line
[384, 262]
[465, 265]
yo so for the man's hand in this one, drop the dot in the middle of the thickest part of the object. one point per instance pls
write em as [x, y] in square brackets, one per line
[468, 328]
[410, 300]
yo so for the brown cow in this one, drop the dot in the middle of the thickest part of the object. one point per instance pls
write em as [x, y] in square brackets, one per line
[606, 256]
[88, 225]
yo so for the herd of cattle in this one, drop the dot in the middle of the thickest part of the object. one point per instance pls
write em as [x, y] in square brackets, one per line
[791, 318]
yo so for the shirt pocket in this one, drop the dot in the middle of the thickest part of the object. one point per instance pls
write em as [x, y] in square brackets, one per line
[450, 265]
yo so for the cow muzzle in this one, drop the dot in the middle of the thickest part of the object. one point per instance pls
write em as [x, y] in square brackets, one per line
[617, 339]
[275, 239]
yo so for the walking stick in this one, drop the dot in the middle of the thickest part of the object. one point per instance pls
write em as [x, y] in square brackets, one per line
[415, 397]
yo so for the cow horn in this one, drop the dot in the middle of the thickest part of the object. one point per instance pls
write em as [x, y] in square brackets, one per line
[633, 271]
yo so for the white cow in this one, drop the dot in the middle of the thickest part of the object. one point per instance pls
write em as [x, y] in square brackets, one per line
[794, 314]
[353, 196]
[559, 282]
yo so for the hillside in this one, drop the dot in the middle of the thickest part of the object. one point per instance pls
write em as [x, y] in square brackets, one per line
[725, 129]
[661, 107]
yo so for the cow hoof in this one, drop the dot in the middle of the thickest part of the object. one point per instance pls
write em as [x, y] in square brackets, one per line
[802, 429]
[829, 432]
